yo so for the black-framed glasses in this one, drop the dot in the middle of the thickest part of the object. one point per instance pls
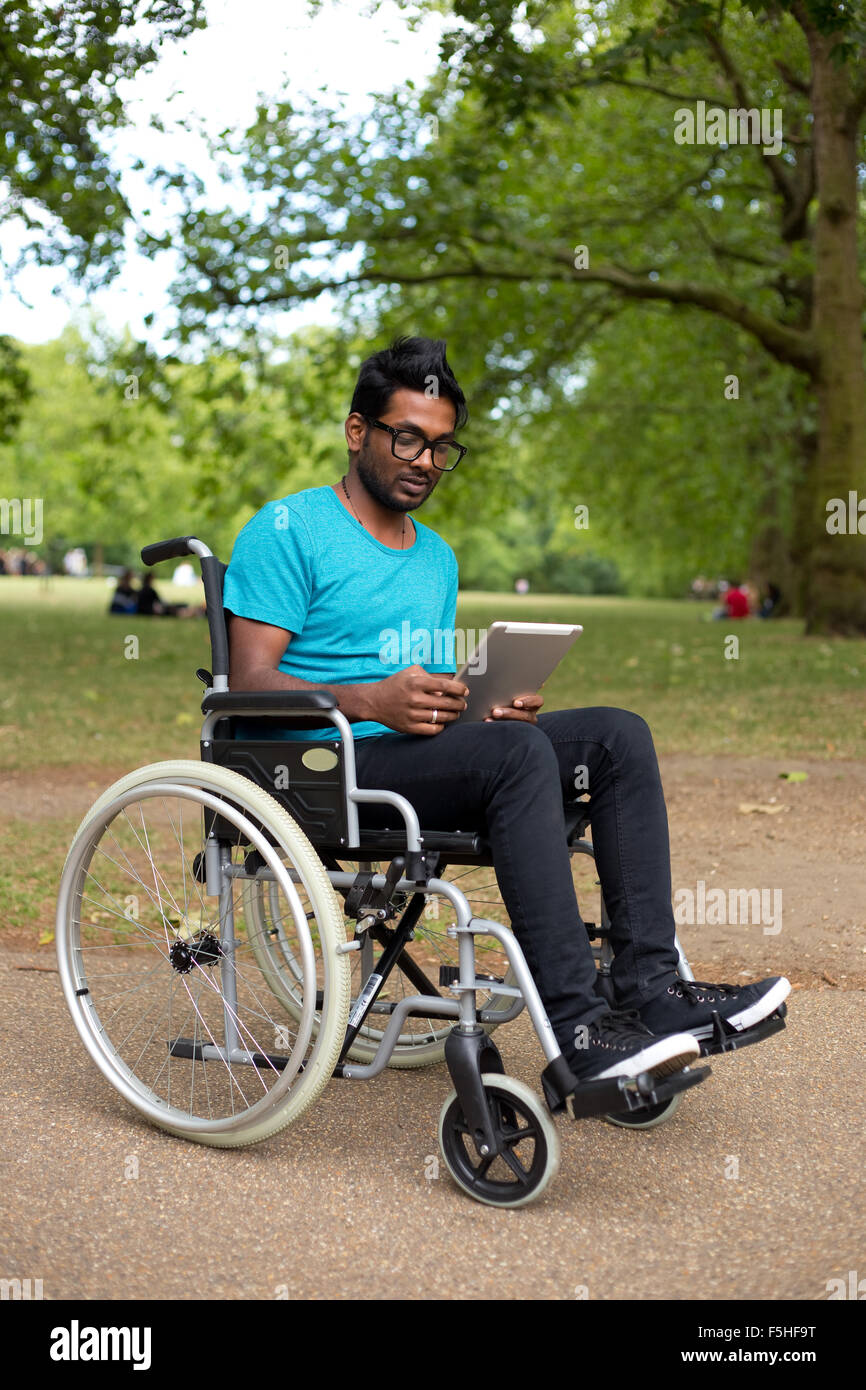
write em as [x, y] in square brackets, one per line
[409, 445]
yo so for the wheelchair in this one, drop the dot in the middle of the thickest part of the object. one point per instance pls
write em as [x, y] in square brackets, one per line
[230, 937]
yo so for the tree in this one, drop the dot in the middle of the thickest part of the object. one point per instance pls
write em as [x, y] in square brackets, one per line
[96, 451]
[553, 172]
[59, 70]
[124, 449]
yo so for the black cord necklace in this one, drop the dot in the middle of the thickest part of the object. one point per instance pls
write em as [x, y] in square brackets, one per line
[366, 528]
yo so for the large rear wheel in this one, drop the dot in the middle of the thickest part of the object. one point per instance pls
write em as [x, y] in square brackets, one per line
[163, 981]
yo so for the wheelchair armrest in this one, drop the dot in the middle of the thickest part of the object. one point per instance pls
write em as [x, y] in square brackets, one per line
[268, 701]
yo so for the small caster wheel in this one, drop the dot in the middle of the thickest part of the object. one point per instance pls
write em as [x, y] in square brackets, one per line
[529, 1158]
[646, 1119]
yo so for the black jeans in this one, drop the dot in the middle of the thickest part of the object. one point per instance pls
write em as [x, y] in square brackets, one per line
[510, 780]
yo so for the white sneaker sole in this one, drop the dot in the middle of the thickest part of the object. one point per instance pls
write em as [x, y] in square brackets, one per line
[660, 1058]
[763, 1007]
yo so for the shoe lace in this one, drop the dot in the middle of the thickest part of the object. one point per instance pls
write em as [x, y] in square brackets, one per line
[691, 988]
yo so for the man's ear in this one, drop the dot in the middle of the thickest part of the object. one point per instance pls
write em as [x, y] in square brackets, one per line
[356, 428]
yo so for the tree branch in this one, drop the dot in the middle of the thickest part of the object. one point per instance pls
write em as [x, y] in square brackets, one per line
[722, 252]
[791, 346]
[775, 166]
[797, 84]
[857, 104]
[683, 98]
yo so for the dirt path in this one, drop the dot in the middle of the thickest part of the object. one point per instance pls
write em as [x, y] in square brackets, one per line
[352, 1202]
[97, 1203]
[807, 854]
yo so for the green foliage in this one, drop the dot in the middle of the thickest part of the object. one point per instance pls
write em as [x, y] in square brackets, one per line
[59, 70]
[124, 448]
[554, 129]
[99, 459]
[678, 476]
[60, 66]
[15, 389]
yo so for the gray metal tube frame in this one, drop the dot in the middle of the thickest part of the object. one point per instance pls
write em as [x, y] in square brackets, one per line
[462, 1009]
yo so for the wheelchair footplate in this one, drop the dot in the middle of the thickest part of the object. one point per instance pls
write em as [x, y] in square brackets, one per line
[727, 1039]
[614, 1094]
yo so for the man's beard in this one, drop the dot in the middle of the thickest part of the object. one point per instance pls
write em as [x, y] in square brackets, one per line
[378, 488]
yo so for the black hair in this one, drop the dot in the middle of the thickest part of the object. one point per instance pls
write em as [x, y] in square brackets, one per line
[410, 363]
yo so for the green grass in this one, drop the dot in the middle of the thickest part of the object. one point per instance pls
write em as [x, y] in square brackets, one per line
[71, 695]
[784, 695]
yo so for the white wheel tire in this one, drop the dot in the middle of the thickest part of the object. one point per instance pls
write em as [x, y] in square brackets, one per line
[319, 1068]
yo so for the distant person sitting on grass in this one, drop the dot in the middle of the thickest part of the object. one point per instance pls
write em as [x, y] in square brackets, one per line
[125, 596]
[735, 602]
[770, 601]
[150, 605]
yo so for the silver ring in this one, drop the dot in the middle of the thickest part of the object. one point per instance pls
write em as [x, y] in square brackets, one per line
[435, 712]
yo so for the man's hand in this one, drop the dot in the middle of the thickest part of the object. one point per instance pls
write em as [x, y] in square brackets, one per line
[523, 707]
[408, 700]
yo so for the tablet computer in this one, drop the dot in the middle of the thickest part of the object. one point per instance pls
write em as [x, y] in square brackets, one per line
[512, 659]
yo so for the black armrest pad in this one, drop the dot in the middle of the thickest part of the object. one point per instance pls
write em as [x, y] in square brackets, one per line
[274, 701]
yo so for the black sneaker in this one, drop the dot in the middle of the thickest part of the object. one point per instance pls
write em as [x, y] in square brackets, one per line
[618, 1044]
[690, 1004]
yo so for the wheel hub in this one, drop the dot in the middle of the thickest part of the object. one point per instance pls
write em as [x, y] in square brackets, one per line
[203, 949]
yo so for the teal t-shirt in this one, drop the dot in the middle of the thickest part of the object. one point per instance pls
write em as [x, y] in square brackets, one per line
[357, 611]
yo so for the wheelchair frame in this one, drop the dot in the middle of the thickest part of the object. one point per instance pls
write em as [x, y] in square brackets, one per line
[482, 1117]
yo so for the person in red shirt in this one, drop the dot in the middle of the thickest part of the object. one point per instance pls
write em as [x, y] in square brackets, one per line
[736, 601]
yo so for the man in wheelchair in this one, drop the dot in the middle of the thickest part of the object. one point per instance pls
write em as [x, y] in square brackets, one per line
[315, 582]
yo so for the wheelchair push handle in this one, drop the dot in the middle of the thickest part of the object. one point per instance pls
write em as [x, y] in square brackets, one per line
[212, 577]
[173, 550]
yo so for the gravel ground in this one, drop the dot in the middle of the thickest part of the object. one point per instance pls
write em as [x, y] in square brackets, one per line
[339, 1205]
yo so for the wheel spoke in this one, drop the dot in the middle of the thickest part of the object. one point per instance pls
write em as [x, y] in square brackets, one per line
[516, 1135]
[481, 1170]
[517, 1168]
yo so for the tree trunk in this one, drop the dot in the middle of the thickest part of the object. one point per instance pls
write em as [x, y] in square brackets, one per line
[806, 437]
[770, 554]
[835, 599]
